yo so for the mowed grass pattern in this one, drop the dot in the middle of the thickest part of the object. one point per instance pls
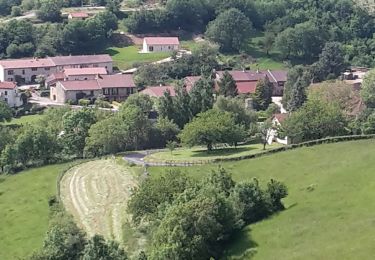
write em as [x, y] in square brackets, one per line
[24, 210]
[330, 208]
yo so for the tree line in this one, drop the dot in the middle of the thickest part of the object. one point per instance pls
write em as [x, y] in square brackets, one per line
[20, 38]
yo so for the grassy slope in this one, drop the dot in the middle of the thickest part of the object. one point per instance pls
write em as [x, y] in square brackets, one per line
[24, 210]
[200, 153]
[334, 218]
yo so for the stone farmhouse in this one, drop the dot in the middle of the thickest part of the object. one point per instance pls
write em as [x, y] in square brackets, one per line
[160, 44]
[116, 87]
[9, 94]
[26, 70]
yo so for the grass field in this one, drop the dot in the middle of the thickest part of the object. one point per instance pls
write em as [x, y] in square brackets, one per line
[31, 119]
[329, 213]
[125, 57]
[200, 153]
[24, 210]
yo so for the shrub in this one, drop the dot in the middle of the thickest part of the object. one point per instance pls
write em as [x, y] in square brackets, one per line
[84, 102]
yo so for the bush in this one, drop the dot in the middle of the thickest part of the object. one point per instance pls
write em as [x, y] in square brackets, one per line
[71, 102]
[102, 103]
[84, 102]
[16, 11]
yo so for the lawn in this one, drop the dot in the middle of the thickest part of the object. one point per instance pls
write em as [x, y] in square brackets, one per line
[30, 119]
[24, 210]
[329, 211]
[201, 153]
[124, 58]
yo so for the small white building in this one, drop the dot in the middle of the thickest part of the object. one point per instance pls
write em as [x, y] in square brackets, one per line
[9, 94]
[160, 44]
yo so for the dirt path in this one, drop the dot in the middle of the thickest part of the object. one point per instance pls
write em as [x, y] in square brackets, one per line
[96, 193]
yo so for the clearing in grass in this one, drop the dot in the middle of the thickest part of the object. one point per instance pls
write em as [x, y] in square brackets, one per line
[328, 210]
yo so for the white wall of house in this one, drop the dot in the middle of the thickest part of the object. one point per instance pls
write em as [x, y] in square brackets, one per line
[29, 73]
[159, 48]
[60, 95]
[26, 73]
[11, 97]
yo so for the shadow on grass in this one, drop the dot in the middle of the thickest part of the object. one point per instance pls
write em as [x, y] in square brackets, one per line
[112, 52]
[221, 152]
[241, 245]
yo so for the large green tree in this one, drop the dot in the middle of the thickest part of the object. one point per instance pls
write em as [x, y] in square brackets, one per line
[6, 112]
[202, 95]
[368, 89]
[262, 97]
[231, 29]
[227, 85]
[210, 128]
[49, 10]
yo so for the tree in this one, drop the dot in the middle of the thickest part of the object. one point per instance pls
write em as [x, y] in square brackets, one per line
[236, 107]
[201, 95]
[314, 120]
[171, 146]
[16, 11]
[262, 97]
[98, 248]
[368, 89]
[276, 191]
[264, 131]
[166, 106]
[182, 113]
[6, 112]
[332, 60]
[113, 6]
[140, 100]
[147, 198]
[49, 10]
[164, 131]
[230, 30]
[268, 41]
[212, 127]
[227, 85]
[76, 125]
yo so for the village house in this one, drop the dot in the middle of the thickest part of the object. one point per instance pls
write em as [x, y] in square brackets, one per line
[78, 16]
[9, 94]
[160, 44]
[277, 120]
[247, 80]
[75, 74]
[158, 91]
[27, 70]
[115, 87]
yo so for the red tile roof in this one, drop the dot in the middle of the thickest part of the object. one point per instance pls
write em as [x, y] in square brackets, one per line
[246, 87]
[78, 85]
[190, 81]
[85, 71]
[247, 75]
[26, 63]
[159, 91]
[55, 77]
[79, 15]
[7, 85]
[116, 81]
[54, 61]
[162, 40]
[280, 117]
[81, 59]
[277, 75]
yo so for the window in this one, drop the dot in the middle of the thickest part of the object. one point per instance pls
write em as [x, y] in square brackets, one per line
[95, 65]
[46, 68]
[6, 93]
[10, 79]
[151, 48]
[34, 69]
[10, 72]
[6, 100]
[105, 91]
[92, 92]
[23, 72]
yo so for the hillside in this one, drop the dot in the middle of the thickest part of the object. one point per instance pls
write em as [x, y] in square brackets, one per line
[330, 190]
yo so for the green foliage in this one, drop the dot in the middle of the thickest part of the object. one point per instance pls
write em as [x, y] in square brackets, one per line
[202, 95]
[84, 102]
[368, 89]
[76, 125]
[227, 85]
[142, 101]
[314, 120]
[230, 30]
[152, 193]
[98, 248]
[262, 97]
[16, 11]
[236, 107]
[6, 112]
[210, 128]
[49, 10]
